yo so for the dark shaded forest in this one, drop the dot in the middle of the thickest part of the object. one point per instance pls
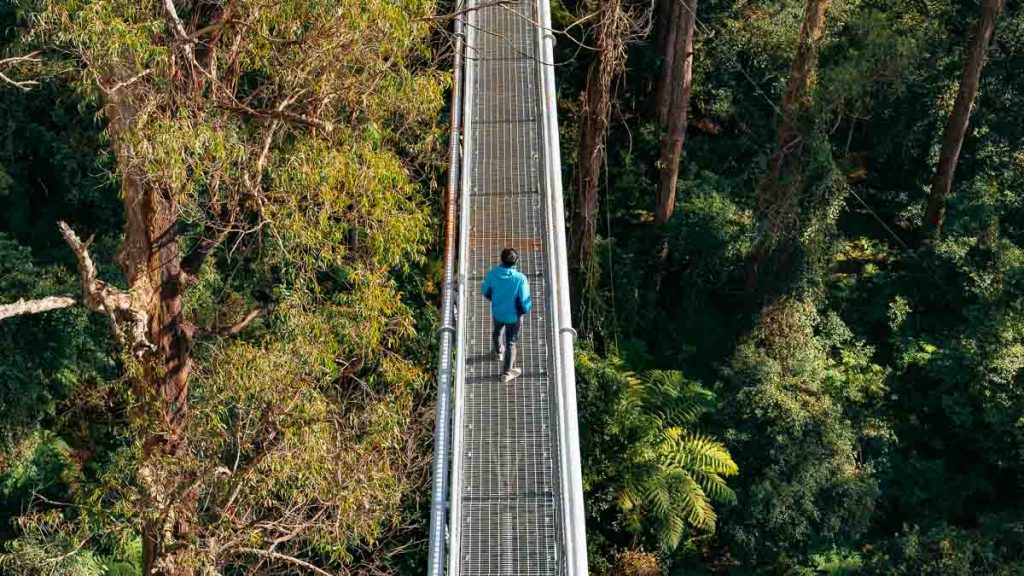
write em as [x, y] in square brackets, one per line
[826, 274]
[797, 240]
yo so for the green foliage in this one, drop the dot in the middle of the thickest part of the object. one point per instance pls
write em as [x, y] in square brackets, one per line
[300, 427]
[880, 388]
[48, 363]
[647, 472]
[873, 408]
[942, 550]
[802, 387]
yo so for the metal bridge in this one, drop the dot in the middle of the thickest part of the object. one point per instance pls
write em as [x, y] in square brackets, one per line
[507, 491]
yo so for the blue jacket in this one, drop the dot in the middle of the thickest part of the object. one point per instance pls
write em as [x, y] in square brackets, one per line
[509, 293]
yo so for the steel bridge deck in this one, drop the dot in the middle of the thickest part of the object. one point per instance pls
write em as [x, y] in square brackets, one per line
[507, 505]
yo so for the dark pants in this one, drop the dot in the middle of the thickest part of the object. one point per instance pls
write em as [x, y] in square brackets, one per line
[508, 344]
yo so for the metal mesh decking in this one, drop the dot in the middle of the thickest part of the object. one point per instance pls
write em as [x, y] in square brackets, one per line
[508, 502]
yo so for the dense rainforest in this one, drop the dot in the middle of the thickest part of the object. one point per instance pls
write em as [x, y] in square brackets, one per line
[797, 249]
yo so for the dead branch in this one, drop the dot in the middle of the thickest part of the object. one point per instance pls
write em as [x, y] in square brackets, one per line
[25, 85]
[240, 325]
[278, 115]
[226, 331]
[176, 25]
[285, 558]
[23, 306]
[454, 15]
[125, 83]
[129, 324]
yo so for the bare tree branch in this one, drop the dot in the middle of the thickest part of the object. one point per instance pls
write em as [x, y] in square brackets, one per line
[232, 330]
[25, 85]
[176, 25]
[279, 115]
[285, 558]
[454, 15]
[127, 82]
[129, 323]
[23, 306]
[241, 324]
[86, 267]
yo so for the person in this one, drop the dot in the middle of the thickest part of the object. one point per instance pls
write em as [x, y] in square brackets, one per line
[508, 291]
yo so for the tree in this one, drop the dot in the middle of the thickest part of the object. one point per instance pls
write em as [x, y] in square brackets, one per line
[778, 198]
[611, 33]
[271, 130]
[798, 380]
[678, 109]
[959, 117]
[668, 48]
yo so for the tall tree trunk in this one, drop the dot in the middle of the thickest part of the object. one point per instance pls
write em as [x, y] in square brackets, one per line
[151, 261]
[959, 118]
[679, 107]
[668, 45]
[590, 154]
[610, 38]
[779, 196]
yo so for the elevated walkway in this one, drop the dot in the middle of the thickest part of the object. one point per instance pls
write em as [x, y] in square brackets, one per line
[507, 496]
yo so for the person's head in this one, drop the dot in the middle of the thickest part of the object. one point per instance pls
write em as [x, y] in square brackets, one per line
[509, 257]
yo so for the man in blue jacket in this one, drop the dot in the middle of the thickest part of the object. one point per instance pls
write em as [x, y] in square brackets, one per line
[508, 290]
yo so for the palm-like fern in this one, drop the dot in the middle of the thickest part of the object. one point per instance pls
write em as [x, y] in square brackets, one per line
[675, 475]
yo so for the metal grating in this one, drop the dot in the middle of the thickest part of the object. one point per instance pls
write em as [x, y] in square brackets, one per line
[509, 478]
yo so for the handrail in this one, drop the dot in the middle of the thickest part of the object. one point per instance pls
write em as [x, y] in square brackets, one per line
[442, 427]
[455, 489]
[574, 527]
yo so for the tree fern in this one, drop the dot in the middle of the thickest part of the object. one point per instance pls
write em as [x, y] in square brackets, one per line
[670, 475]
[698, 453]
[691, 502]
[715, 487]
[670, 397]
[641, 442]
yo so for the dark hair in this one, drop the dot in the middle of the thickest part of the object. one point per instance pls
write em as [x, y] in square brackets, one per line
[509, 257]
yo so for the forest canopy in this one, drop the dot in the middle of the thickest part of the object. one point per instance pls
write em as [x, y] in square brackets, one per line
[797, 256]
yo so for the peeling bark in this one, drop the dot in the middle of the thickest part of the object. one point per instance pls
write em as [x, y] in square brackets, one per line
[668, 44]
[151, 261]
[610, 37]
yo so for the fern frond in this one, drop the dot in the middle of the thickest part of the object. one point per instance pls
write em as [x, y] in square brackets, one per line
[715, 487]
[627, 500]
[694, 504]
[672, 532]
[659, 498]
[675, 400]
[698, 452]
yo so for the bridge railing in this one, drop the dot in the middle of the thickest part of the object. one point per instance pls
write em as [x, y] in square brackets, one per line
[437, 546]
[573, 526]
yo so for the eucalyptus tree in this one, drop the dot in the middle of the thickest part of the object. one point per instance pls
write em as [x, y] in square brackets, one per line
[676, 82]
[267, 141]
